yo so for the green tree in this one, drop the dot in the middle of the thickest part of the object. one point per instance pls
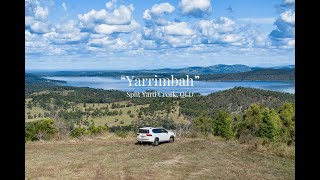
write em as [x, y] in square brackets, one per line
[287, 115]
[252, 118]
[204, 124]
[222, 123]
[270, 124]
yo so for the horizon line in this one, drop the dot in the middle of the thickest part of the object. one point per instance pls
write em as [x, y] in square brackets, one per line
[153, 69]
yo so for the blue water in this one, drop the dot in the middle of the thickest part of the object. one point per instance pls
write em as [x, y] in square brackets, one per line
[201, 87]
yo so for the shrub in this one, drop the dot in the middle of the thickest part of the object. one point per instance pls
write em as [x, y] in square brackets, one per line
[78, 132]
[40, 130]
[94, 130]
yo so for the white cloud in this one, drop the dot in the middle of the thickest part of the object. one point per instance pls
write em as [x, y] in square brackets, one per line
[36, 18]
[39, 27]
[28, 21]
[109, 29]
[68, 26]
[284, 34]
[101, 42]
[146, 14]
[178, 29]
[288, 17]
[212, 28]
[113, 29]
[64, 6]
[111, 4]
[119, 16]
[226, 31]
[291, 42]
[66, 38]
[41, 13]
[288, 2]
[257, 20]
[195, 8]
[230, 38]
[159, 9]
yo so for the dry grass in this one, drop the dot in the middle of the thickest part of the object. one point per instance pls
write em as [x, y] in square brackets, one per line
[110, 157]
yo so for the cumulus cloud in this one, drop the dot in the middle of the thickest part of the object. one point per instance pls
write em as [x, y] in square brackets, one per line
[107, 42]
[111, 4]
[119, 16]
[39, 27]
[114, 29]
[67, 26]
[109, 29]
[107, 26]
[212, 28]
[196, 8]
[41, 13]
[102, 21]
[178, 29]
[157, 11]
[284, 34]
[288, 17]
[146, 14]
[36, 17]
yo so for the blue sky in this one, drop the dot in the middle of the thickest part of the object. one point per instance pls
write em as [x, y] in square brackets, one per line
[152, 34]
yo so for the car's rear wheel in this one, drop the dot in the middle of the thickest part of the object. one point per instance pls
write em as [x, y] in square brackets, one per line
[171, 140]
[156, 142]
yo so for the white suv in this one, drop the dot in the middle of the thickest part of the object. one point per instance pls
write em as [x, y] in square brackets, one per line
[154, 135]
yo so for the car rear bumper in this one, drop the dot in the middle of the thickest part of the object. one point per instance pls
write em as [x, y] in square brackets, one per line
[144, 140]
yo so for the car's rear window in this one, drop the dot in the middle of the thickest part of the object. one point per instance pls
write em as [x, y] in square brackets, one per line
[143, 131]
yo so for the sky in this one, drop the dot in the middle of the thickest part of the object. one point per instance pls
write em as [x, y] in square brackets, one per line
[153, 34]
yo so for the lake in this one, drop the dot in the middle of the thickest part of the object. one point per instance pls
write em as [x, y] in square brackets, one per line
[201, 87]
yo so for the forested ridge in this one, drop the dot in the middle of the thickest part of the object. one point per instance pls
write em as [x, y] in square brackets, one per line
[256, 75]
[234, 100]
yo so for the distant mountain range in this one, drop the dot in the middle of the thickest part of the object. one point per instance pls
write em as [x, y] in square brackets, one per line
[219, 72]
[255, 75]
[216, 69]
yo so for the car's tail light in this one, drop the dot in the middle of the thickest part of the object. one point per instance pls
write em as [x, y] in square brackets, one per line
[149, 134]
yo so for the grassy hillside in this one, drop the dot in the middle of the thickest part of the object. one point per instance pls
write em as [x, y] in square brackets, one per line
[110, 158]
